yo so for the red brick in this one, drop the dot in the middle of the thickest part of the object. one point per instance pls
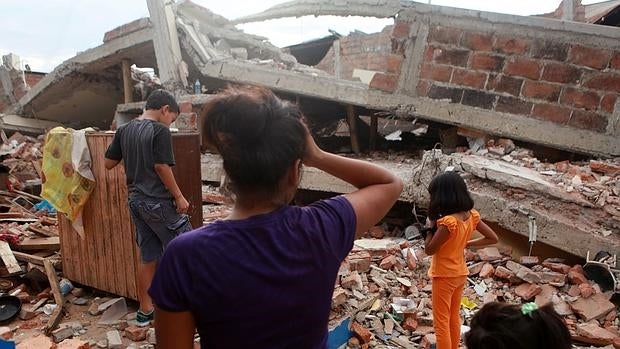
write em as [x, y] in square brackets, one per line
[485, 61]
[135, 333]
[592, 333]
[388, 262]
[513, 106]
[469, 78]
[588, 100]
[429, 53]
[445, 35]
[590, 57]
[576, 275]
[478, 99]
[477, 41]
[588, 121]
[557, 267]
[440, 92]
[546, 49]
[507, 84]
[384, 82]
[360, 332]
[604, 81]
[436, 72]
[393, 63]
[487, 271]
[423, 87]
[457, 57]
[410, 323]
[561, 72]
[615, 61]
[527, 68]
[551, 112]
[608, 103]
[527, 291]
[401, 30]
[541, 90]
[511, 45]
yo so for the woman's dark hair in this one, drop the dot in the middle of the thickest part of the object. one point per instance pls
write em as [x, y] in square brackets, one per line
[504, 326]
[258, 136]
[449, 195]
[159, 98]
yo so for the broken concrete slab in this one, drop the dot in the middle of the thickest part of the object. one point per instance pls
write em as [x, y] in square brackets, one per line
[591, 333]
[115, 310]
[567, 227]
[114, 339]
[516, 177]
[592, 308]
[366, 8]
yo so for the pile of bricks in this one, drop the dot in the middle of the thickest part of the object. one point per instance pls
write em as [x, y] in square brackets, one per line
[384, 289]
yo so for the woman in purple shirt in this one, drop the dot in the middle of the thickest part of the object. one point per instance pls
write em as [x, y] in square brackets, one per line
[264, 276]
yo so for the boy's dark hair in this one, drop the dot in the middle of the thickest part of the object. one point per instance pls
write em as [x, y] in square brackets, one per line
[159, 98]
[258, 136]
[504, 326]
[449, 195]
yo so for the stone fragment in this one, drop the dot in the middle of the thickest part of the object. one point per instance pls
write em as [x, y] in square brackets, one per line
[529, 261]
[411, 260]
[586, 290]
[487, 271]
[136, 334]
[591, 333]
[388, 262]
[593, 308]
[377, 232]
[527, 291]
[114, 339]
[62, 333]
[73, 344]
[361, 332]
[339, 297]
[489, 254]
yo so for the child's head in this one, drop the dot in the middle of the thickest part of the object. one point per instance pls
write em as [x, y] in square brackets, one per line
[511, 326]
[261, 139]
[449, 195]
[164, 102]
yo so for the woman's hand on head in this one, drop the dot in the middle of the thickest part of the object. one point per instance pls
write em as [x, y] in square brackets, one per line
[313, 153]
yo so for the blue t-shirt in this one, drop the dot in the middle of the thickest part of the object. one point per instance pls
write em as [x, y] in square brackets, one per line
[262, 282]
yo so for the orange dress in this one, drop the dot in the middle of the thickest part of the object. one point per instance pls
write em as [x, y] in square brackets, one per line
[449, 261]
[449, 274]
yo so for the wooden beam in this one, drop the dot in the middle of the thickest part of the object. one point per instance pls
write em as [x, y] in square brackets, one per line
[127, 82]
[25, 257]
[30, 244]
[166, 44]
[11, 264]
[374, 124]
[352, 121]
[42, 231]
[55, 318]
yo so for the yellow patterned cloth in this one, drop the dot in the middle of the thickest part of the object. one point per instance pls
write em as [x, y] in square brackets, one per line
[67, 177]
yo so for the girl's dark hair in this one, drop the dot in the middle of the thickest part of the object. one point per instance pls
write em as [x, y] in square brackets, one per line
[504, 326]
[449, 195]
[258, 136]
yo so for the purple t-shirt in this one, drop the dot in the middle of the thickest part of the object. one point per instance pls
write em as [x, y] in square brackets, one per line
[262, 282]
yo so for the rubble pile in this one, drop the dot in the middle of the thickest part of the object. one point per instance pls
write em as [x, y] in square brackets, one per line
[597, 181]
[384, 290]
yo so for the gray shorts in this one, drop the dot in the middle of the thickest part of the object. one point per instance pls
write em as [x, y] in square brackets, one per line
[157, 223]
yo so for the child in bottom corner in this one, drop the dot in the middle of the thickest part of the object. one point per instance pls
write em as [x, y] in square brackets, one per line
[513, 326]
[452, 217]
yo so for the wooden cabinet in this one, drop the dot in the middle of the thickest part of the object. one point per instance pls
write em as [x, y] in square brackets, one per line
[107, 258]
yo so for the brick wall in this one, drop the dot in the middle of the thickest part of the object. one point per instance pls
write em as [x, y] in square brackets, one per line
[569, 83]
[32, 78]
[360, 51]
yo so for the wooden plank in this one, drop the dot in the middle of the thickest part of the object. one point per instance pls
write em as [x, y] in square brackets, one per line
[19, 220]
[374, 124]
[30, 258]
[55, 318]
[30, 244]
[42, 231]
[352, 121]
[8, 258]
[127, 82]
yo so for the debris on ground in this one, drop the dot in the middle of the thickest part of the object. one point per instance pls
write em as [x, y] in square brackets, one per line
[388, 298]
